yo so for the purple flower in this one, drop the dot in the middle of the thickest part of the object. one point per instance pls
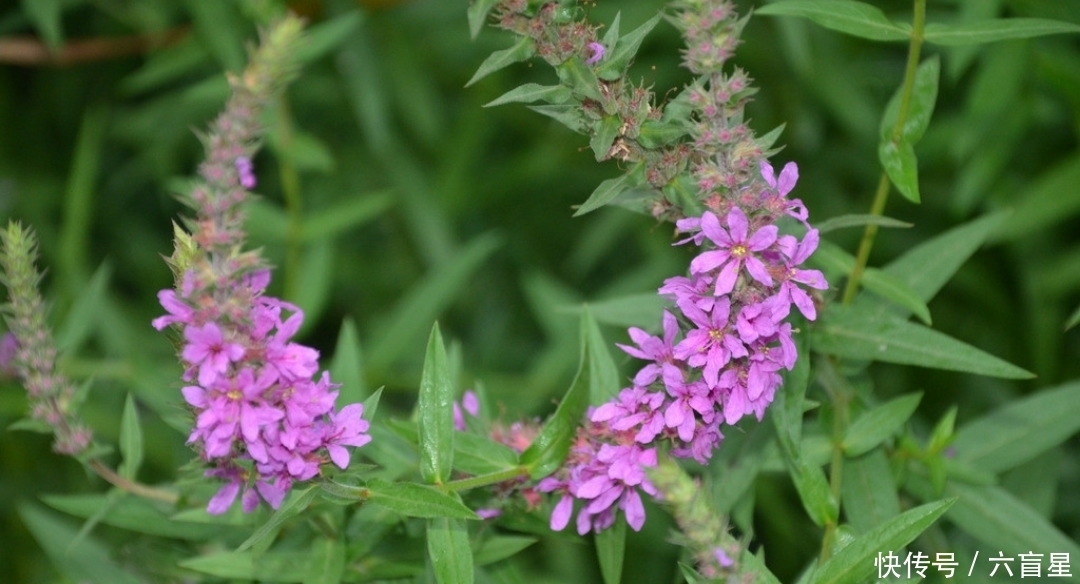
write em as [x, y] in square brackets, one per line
[711, 345]
[735, 248]
[790, 293]
[208, 349]
[783, 185]
[596, 53]
[654, 349]
[245, 172]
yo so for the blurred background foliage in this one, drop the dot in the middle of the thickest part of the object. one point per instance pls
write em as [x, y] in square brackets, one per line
[391, 198]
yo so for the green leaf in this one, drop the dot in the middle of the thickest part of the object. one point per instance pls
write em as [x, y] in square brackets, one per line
[568, 115]
[323, 38]
[435, 413]
[1021, 430]
[610, 548]
[921, 106]
[998, 519]
[521, 51]
[878, 424]
[46, 18]
[854, 563]
[928, 266]
[412, 316]
[896, 290]
[868, 491]
[448, 548]
[898, 160]
[530, 92]
[752, 566]
[604, 375]
[638, 310]
[989, 31]
[347, 366]
[854, 18]
[1048, 201]
[604, 194]
[478, 12]
[856, 332]
[347, 214]
[856, 220]
[604, 133]
[500, 547]
[580, 78]
[275, 566]
[548, 450]
[657, 133]
[478, 455]
[1073, 319]
[294, 504]
[416, 500]
[618, 58]
[134, 514]
[85, 311]
[87, 561]
[131, 440]
[326, 562]
[221, 28]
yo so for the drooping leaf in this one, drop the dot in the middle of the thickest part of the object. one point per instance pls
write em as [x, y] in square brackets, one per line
[521, 51]
[854, 18]
[435, 413]
[448, 548]
[1020, 430]
[134, 514]
[416, 500]
[994, 30]
[878, 424]
[854, 563]
[898, 160]
[604, 194]
[857, 332]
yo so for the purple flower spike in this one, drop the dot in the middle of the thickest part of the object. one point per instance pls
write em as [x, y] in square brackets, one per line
[596, 53]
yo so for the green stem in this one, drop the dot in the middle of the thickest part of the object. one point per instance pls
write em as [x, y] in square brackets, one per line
[294, 207]
[133, 487]
[487, 479]
[882, 195]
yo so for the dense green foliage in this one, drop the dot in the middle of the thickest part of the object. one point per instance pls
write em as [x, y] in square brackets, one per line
[391, 198]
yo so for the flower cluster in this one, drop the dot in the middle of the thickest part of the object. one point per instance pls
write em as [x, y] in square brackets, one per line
[718, 358]
[261, 417]
[263, 420]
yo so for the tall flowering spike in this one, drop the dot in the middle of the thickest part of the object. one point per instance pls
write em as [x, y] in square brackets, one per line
[30, 348]
[265, 417]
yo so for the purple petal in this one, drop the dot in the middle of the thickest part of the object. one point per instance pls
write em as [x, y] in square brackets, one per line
[224, 498]
[788, 177]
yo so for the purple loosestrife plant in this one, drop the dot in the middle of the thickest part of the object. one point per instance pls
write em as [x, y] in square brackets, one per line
[727, 337]
[265, 415]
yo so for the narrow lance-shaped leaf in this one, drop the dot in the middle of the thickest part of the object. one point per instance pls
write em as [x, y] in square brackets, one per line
[989, 31]
[610, 549]
[416, 500]
[326, 563]
[1021, 430]
[878, 424]
[857, 220]
[604, 374]
[618, 57]
[858, 332]
[435, 413]
[131, 440]
[530, 92]
[854, 18]
[297, 502]
[521, 51]
[548, 450]
[478, 12]
[855, 562]
[448, 548]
